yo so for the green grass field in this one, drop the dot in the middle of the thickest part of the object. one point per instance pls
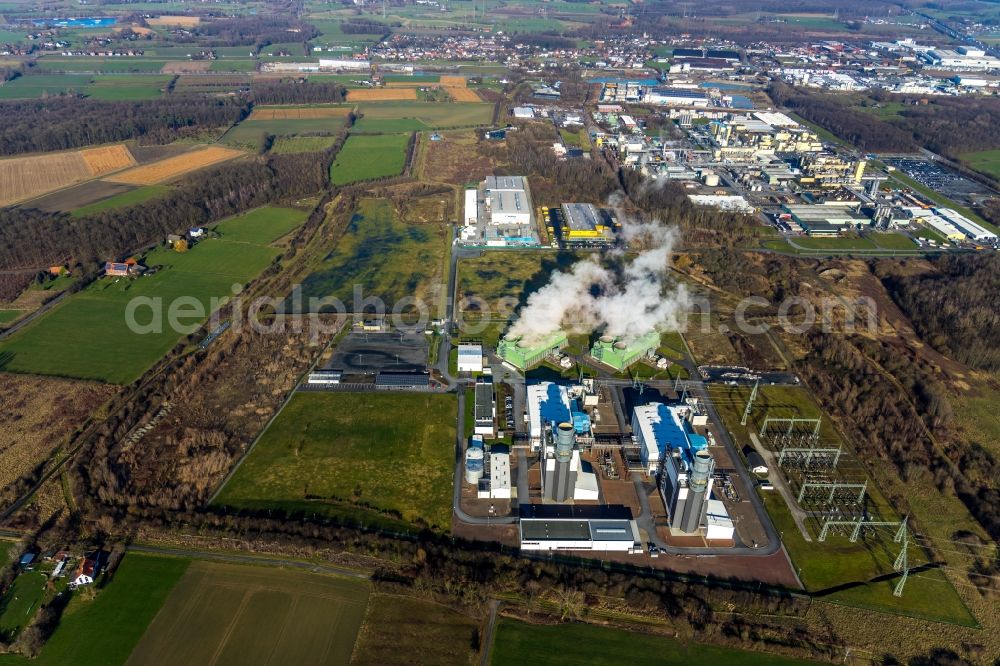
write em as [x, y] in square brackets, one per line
[103, 631]
[386, 258]
[20, 603]
[986, 161]
[301, 144]
[518, 643]
[7, 316]
[368, 157]
[37, 85]
[123, 200]
[386, 117]
[338, 454]
[99, 65]
[261, 226]
[127, 87]
[236, 614]
[252, 132]
[87, 337]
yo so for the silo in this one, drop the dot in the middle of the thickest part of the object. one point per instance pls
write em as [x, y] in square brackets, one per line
[694, 504]
[473, 465]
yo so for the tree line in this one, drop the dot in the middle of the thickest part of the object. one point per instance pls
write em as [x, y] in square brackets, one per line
[62, 123]
[293, 92]
[254, 31]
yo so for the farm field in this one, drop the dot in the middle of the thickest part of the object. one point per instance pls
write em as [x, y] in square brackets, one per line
[38, 85]
[463, 94]
[261, 226]
[93, 320]
[7, 316]
[396, 628]
[284, 145]
[518, 642]
[412, 116]
[381, 94]
[251, 134]
[173, 167]
[389, 259]
[298, 112]
[36, 413]
[24, 178]
[90, 65]
[127, 604]
[123, 200]
[340, 454]
[243, 615]
[130, 87]
[368, 157]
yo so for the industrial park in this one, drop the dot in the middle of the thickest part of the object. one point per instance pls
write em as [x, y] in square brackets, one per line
[500, 333]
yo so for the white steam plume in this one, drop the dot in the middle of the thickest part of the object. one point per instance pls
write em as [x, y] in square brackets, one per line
[624, 301]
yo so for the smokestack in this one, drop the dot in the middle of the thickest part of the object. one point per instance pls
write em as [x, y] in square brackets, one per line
[565, 440]
[694, 505]
[560, 479]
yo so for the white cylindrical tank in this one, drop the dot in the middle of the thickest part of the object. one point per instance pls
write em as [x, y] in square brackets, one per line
[473, 465]
[711, 179]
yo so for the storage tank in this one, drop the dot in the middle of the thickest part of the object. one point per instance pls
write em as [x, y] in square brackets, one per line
[474, 465]
[711, 179]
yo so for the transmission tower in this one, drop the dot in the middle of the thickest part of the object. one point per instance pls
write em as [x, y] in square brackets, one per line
[753, 396]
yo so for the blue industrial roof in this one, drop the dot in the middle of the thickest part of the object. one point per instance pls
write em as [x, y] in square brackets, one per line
[552, 408]
[670, 435]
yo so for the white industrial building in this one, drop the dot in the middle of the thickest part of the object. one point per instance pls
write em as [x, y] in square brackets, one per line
[471, 207]
[962, 58]
[970, 229]
[620, 536]
[497, 484]
[718, 524]
[508, 200]
[324, 377]
[470, 357]
[329, 63]
[524, 112]
[943, 227]
[676, 97]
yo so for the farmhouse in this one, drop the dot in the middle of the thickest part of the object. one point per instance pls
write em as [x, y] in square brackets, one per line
[89, 569]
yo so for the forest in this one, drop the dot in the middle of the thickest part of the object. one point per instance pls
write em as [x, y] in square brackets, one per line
[266, 91]
[62, 123]
[255, 31]
[954, 308]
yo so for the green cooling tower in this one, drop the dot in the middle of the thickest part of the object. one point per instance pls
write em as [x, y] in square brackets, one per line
[620, 355]
[522, 355]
